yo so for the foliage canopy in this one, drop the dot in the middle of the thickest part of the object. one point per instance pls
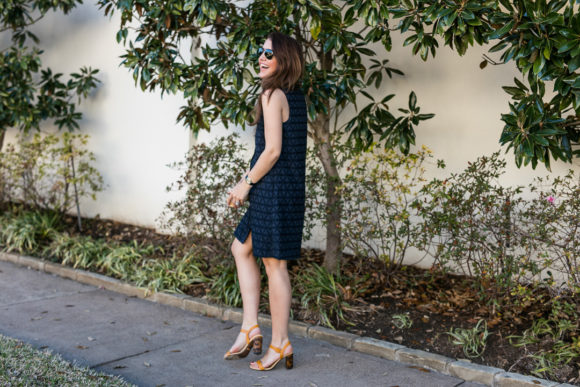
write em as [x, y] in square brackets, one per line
[542, 38]
[221, 83]
[29, 93]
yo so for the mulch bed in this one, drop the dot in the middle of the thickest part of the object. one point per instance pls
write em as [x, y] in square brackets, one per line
[435, 303]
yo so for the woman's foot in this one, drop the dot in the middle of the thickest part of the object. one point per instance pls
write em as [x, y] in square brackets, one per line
[273, 356]
[249, 337]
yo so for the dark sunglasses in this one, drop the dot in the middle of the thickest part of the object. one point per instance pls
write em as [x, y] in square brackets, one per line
[269, 54]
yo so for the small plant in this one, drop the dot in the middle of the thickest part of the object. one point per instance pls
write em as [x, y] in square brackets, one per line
[326, 297]
[402, 320]
[209, 171]
[550, 226]
[560, 329]
[472, 340]
[379, 190]
[174, 275]
[78, 251]
[27, 231]
[50, 171]
[124, 260]
[225, 287]
[470, 223]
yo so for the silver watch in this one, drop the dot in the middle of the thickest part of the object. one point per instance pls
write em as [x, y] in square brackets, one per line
[248, 180]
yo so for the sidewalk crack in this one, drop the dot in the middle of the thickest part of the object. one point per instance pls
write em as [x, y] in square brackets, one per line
[136, 354]
[44, 298]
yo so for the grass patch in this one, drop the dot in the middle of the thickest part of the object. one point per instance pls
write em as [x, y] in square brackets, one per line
[22, 365]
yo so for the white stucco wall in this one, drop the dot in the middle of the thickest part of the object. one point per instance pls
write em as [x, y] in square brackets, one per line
[134, 135]
[467, 102]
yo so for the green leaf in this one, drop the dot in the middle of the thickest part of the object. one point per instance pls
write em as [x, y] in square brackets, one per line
[574, 64]
[387, 98]
[367, 95]
[411, 39]
[315, 28]
[423, 117]
[539, 64]
[412, 101]
[502, 31]
[567, 46]
[547, 53]
[515, 91]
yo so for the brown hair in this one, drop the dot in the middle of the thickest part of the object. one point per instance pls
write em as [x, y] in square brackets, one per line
[288, 72]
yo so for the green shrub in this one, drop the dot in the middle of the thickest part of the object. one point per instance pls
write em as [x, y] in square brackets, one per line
[314, 213]
[469, 225]
[122, 261]
[225, 287]
[50, 171]
[380, 190]
[550, 225]
[209, 172]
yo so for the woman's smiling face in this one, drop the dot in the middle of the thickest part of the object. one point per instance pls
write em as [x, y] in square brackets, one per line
[267, 66]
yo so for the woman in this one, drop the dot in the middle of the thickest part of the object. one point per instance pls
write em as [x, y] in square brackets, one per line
[272, 226]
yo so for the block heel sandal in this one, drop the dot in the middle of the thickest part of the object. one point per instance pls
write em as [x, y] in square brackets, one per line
[289, 359]
[254, 343]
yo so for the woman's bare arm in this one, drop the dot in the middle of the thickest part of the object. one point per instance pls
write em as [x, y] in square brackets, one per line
[273, 114]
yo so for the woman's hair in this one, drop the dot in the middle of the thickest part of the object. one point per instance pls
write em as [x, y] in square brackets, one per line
[288, 73]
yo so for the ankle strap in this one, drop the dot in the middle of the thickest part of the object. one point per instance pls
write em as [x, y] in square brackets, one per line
[247, 332]
[281, 350]
[250, 329]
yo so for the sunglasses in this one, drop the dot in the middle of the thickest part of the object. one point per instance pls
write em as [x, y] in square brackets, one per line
[269, 54]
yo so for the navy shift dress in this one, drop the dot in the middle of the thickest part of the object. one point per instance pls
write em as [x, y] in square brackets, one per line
[276, 212]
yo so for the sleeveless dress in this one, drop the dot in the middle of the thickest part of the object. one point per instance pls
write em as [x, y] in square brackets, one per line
[276, 212]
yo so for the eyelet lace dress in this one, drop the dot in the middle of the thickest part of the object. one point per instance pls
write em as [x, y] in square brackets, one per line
[275, 215]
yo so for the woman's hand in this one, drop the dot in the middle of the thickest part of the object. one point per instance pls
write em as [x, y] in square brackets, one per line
[238, 195]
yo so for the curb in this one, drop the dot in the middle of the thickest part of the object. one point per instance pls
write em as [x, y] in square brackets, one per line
[489, 376]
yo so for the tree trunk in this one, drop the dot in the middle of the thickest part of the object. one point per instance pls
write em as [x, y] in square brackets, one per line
[333, 253]
[333, 256]
[321, 126]
[2, 132]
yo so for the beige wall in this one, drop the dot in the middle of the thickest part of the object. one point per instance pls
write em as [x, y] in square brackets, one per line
[133, 134]
[468, 103]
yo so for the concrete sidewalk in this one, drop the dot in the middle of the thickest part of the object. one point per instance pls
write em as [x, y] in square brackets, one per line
[150, 344]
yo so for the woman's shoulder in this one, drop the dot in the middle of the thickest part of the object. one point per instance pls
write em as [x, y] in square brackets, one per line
[272, 98]
[275, 93]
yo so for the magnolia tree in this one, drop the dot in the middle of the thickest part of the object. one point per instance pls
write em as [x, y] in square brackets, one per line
[29, 93]
[345, 45]
[542, 38]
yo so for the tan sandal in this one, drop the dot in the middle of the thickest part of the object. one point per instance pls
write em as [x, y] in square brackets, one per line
[254, 342]
[289, 359]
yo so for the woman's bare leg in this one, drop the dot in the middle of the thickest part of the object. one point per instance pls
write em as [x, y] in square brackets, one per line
[249, 278]
[280, 298]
